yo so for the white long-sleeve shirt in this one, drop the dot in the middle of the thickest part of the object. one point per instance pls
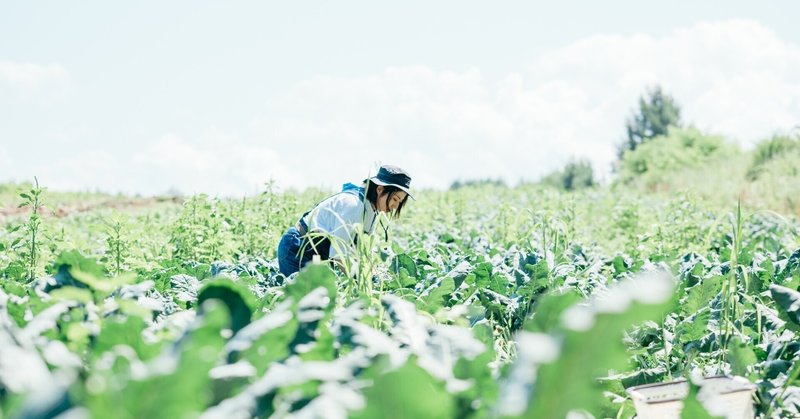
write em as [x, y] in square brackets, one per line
[339, 215]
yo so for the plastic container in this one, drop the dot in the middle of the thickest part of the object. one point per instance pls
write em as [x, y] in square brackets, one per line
[730, 397]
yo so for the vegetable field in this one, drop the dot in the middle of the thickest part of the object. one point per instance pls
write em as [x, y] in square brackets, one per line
[486, 302]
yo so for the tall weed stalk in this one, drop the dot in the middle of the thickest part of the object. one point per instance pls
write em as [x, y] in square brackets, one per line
[31, 251]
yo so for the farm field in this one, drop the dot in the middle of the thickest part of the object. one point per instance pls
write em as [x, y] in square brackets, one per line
[416, 210]
[487, 301]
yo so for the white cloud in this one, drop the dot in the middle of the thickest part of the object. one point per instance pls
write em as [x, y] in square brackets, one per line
[5, 160]
[39, 84]
[733, 77]
[85, 169]
[79, 171]
[30, 75]
[216, 163]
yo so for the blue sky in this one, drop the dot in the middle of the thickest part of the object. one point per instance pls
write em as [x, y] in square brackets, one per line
[211, 97]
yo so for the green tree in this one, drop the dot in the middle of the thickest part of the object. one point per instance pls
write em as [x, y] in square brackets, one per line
[577, 174]
[656, 114]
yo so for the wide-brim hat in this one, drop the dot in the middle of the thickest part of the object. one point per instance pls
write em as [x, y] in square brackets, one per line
[393, 176]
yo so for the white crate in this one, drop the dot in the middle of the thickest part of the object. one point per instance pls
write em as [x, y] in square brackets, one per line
[730, 397]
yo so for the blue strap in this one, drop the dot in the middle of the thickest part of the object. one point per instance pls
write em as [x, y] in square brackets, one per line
[354, 189]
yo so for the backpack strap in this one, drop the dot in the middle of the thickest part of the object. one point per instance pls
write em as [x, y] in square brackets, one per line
[354, 189]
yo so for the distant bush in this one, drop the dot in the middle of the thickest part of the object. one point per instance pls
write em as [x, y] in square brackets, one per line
[774, 174]
[657, 161]
[575, 175]
[769, 150]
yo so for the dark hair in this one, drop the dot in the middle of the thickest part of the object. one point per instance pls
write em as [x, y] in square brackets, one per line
[389, 191]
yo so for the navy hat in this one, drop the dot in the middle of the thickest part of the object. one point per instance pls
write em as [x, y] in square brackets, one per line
[393, 176]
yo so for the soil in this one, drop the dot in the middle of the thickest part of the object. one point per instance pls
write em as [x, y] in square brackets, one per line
[63, 210]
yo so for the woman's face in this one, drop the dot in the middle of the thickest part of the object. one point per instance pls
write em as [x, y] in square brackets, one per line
[392, 203]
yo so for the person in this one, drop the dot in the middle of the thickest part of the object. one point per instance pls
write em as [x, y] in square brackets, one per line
[329, 230]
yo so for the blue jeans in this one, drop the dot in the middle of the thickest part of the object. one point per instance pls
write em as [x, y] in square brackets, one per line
[289, 252]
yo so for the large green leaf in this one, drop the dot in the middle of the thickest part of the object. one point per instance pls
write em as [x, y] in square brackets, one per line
[405, 269]
[693, 327]
[100, 286]
[560, 370]
[741, 357]
[692, 408]
[701, 295]
[174, 385]
[788, 300]
[265, 340]
[577, 368]
[548, 310]
[438, 296]
[75, 260]
[407, 392]
[792, 266]
[313, 295]
[123, 331]
[239, 300]
[311, 278]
